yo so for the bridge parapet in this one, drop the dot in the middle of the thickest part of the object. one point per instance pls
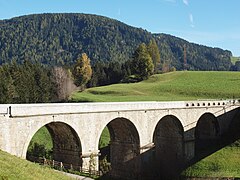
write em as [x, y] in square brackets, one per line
[4, 110]
[211, 103]
[19, 110]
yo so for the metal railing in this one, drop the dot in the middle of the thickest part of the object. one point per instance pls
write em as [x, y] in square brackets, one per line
[66, 167]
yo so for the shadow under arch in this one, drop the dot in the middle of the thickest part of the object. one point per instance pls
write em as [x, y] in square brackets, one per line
[124, 149]
[66, 145]
[168, 152]
[207, 132]
[233, 132]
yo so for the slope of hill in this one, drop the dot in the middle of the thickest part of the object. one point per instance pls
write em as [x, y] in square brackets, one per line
[61, 38]
[12, 167]
[235, 59]
[174, 86]
[223, 163]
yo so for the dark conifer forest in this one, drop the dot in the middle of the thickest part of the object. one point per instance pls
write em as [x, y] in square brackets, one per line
[58, 39]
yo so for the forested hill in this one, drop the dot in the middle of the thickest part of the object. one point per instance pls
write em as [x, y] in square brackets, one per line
[58, 39]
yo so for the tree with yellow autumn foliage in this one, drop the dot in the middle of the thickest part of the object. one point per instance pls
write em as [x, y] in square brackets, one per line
[82, 71]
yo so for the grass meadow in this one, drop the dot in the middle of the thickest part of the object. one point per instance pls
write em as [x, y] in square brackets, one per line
[12, 167]
[223, 163]
[174, 86]
[235, 59]
[44, 137]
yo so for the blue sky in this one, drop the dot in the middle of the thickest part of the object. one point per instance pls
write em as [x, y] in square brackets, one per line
[214, 23]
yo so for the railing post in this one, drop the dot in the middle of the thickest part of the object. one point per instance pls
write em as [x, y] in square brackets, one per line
[10, 111]
[44, 161]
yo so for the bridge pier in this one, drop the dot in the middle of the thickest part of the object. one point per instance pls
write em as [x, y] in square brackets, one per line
[189, 145]
[90, 161]
[124, 160]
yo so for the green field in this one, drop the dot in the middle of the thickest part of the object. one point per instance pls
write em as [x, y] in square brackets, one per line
[224, 163]
[41, 144]
[235, 59]
[174, 86]
[42, 136]
[105, 138]
[12, 167]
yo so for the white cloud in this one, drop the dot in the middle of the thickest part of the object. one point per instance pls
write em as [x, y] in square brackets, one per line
[191, 20]
[119, 12]
[185, 2]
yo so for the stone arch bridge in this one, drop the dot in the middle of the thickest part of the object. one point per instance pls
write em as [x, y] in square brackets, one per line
[147, 138]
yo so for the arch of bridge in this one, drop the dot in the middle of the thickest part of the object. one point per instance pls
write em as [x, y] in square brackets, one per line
[59, 131]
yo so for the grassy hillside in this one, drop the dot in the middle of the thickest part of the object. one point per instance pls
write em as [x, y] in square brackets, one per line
[224, 163]
[41, 144]
[235, 59]
[12, 167]
[42, 136]
[105, 138]
[174, 86]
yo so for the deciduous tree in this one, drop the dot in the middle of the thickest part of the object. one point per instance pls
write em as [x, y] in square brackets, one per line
[63, 83]
[155, 55]
[82, 71]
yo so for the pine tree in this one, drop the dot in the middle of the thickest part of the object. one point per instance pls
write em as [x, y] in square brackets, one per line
[142, 65]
